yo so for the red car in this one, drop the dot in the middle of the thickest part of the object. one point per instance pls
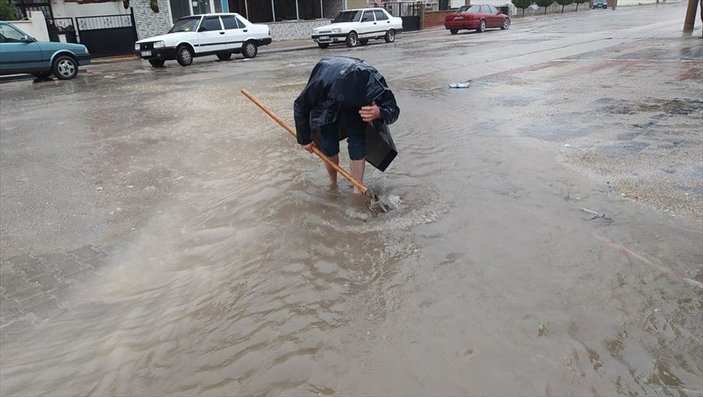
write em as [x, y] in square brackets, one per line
[479, 17]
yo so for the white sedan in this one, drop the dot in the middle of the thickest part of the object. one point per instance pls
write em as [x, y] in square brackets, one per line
[200, 35]
[355, 27]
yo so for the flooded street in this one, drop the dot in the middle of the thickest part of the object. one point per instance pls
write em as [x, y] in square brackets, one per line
[162, 236]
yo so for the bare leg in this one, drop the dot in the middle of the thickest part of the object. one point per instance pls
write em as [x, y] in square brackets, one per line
[331, 171]
[357, 171]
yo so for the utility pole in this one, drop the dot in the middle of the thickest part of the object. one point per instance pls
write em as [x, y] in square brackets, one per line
[691, 15]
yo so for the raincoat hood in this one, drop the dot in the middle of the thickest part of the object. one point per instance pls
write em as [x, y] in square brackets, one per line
[342, 83]
[338, 82]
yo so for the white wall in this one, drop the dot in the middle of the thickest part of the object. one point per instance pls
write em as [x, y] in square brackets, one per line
[62, 9]
[35, 26]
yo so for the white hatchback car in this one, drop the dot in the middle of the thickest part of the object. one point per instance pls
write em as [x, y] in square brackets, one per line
[355, 27]
[207, 34]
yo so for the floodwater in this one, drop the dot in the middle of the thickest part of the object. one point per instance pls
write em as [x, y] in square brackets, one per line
[247, 275]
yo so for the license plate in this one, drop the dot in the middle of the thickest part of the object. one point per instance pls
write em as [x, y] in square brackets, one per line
[458, 18]
[146, 53]
[324, 38]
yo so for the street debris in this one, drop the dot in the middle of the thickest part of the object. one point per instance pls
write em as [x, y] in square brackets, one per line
[595, 214]
[460, 84]
[672, 274]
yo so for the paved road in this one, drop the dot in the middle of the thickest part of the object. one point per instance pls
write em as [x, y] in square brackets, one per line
[121, 187]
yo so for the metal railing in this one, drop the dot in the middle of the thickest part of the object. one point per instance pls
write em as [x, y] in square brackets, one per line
[104, 22]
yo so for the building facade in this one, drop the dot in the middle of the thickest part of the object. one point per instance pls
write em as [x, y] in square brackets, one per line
[288, 19]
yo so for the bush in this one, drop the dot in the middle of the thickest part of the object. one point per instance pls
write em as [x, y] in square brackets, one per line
[545, 4]
[8, 12]
[522, 4]
[563, 3]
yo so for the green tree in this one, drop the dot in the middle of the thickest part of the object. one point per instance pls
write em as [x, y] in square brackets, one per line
[8, 12]
[563, 3]
[523, 4]
[580, 2]
[545, 4]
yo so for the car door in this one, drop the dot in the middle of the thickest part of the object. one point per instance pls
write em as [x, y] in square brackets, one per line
[235, 31]
[210, 36]
[18, 51]
[383, 23]
[492, 18]
[367, 25]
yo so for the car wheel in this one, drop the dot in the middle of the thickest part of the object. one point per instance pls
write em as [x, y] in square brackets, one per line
[352, 39]
[224, 56]
[390, 36]
[65, 67]
[184, 55]
[506, 24]
[481, 26]
[363, 41]
[323, 45]
[157, 63]
[453, 31]
[249, 50]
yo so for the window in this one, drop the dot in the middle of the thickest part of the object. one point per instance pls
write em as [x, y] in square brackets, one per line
[188, 24]
[380, 15]
[210, 24]
[470, 9]
[259, 11]
[10, 35]
[241, 24]
[230, 22]
[285, 10]
[348, 16]
[368, 17]
[179, 9]
[492, 9]
[309, 9]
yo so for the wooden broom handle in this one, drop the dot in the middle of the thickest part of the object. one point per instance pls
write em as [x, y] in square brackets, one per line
[315, 149]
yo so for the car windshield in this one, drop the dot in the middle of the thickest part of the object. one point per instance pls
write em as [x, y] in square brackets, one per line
[348, 16]
[187, 24]
[469, 9]
[10, 34]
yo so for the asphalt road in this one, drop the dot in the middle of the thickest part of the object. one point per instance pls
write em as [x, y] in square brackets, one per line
[152, 217]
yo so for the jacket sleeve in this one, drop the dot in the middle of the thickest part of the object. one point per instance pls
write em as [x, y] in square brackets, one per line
[388, 107]
[301, 113]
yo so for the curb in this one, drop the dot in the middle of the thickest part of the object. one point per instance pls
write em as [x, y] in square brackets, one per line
[130, 58]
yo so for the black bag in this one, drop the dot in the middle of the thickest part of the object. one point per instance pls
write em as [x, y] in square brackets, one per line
[380, 149]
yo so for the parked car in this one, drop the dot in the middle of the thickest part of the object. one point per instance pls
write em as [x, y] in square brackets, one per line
[358, 26]
[600, 4]
[22, 53]
[206, 34]
[478, 17]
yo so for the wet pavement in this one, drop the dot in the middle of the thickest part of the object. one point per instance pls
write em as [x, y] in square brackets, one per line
[161, 236]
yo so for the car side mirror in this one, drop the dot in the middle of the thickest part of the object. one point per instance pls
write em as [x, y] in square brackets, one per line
[28, 39]
[201, 29]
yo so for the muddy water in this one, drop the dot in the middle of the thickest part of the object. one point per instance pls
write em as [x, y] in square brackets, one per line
[251, 276]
